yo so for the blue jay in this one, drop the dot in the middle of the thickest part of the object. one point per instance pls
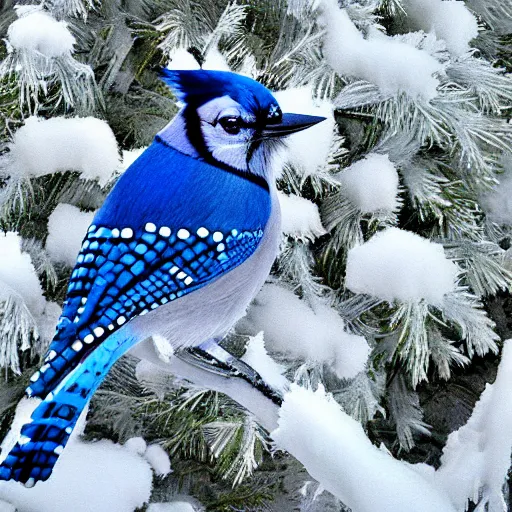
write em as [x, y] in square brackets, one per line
[182, 244]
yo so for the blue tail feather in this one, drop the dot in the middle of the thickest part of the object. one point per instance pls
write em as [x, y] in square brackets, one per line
[43, 439]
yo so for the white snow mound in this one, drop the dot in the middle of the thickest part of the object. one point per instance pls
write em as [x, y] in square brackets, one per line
[400, 265]
[292, 327]
[371, 184]
[39, 32]
[449, 20]
[307, 150]
[300, 217]
[18, 273]
[336, 452]
[67, 227]
[392, 65]
[47, 146]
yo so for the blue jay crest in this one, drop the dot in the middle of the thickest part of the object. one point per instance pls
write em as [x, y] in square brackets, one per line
[195, 88]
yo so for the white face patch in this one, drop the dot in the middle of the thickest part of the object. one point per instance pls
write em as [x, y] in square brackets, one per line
[228, 148]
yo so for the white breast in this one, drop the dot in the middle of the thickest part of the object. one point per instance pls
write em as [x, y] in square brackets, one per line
[210, 312]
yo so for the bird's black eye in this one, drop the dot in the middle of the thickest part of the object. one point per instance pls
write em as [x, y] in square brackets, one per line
[231, 124]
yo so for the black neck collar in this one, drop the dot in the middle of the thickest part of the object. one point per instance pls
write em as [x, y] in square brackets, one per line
[195, 137]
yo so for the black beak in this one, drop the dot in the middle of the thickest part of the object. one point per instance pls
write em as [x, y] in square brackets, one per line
[291, 123]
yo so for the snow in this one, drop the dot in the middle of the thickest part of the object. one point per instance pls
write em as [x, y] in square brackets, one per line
[215, 61]
[307, 150]
[129, 156]
[175, 506]
[136, 445]
[336, 452]
[371, 184]
[449, 20]
[37, 31]
[158, 459]
[181, 59]
[300, 217]
[399, 265]
[67, 227]
[476, 458]
[497, 204]
[48, 321]
[392, 65]
[257, 357]
[100, 476]
[47, 146]
[18, 274]
[318, 335]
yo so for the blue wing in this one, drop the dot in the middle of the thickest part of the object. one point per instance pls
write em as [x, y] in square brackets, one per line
[121, 274]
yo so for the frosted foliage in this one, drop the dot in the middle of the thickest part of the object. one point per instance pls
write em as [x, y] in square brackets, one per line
[67, 227]
[256, 356]
[300, 217]
[39, 32]
[400, 265]
[17, 274]
[336, 452]
[371, 184]
[100, 476]
[392, 65]
[307, 151]
[318, 335]
[158, 459]
[476, 457]
[447, 19]
[47, 146]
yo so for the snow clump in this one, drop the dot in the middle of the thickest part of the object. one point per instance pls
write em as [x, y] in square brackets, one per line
[67, 227]
[100, 476]
[334, 449]
[449, 20]
[371, 184]
[39, 32]
[17, 275]
[394, 66]
[318, 335]
[300, 217]
[308, 150]
[174, 506]
[476, 458]
[257, 357]
[400, 265]
[158, 459]
[47, 146]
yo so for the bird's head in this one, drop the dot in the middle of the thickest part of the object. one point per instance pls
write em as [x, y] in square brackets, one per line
[233, 120]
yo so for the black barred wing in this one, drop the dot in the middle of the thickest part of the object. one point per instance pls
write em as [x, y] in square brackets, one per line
[122, 273]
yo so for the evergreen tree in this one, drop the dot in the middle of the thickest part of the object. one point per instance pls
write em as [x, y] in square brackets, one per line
[391, 288]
